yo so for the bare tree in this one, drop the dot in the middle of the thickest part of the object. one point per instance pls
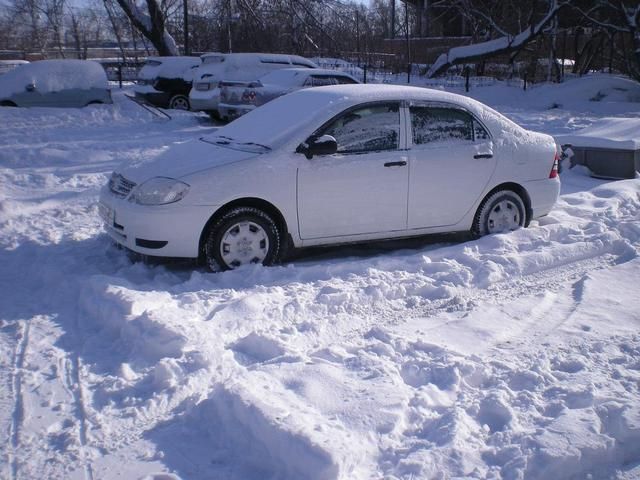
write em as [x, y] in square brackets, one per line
[499, 26]
[151, 23]
[619, 16]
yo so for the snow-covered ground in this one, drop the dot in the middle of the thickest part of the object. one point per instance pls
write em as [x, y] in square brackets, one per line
[513, 356]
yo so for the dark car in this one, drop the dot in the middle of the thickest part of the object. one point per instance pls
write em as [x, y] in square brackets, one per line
[165, 81]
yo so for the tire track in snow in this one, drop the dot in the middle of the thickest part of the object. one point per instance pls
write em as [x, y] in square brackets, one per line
[72, 379]
[18, 415]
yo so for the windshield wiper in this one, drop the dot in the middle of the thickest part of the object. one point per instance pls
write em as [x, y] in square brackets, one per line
[257, 145]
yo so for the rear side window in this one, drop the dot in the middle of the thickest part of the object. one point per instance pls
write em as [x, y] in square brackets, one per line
[319, 81]
[301, 64]
[345, 80]
[440, 124]
[366, 129]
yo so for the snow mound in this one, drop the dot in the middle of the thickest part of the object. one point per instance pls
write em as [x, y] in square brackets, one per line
[618, 133]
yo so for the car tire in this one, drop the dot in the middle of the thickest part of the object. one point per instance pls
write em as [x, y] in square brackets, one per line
[7, 103]
[179, 102]
[501, 211]
[242, 236]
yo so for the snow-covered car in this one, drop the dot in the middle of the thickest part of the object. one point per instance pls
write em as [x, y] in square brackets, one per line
[55, 83]
[237, 67]
[329, 165]
[165, 82]
[8, 65]
[238, 98]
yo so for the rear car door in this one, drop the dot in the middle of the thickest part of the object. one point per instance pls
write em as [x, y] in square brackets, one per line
[452, 159]
[362, 188]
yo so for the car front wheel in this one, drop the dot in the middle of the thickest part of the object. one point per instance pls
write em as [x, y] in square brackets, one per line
[502, 211]
[242, 236]
[179, 102]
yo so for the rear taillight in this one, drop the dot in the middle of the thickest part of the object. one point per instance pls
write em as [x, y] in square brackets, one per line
[249, 96]
[554, 169]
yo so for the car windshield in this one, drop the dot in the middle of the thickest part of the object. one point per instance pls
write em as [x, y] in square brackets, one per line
[275, 122]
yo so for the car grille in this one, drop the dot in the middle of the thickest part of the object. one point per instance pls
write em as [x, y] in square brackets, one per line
[120, 186]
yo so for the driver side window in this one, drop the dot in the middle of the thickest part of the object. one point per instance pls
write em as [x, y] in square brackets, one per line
[366, 129]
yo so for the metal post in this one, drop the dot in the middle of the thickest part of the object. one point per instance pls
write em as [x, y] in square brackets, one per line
[466, 78]
[365, 73]
[120, 75]
[229, 26]
[525, 80]
[358, 32]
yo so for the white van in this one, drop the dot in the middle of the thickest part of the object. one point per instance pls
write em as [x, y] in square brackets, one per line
[241, 67]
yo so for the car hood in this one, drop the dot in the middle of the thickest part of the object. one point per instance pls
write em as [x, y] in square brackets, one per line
[182, 160]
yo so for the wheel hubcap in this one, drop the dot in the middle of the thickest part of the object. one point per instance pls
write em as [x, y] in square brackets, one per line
[504, 217]
[244, 243]
[180, 104]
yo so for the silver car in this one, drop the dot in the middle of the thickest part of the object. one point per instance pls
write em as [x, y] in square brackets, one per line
[238, 98]
[55, 83]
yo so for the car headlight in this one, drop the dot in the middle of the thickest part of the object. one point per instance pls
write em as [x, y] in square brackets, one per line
[159, 191]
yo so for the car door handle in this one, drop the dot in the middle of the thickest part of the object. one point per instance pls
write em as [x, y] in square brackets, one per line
[483, 155]
[395, 164]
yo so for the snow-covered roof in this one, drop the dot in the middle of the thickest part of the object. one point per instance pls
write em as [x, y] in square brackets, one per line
[274, 123]
[287, 76]
[54, 75]
[247, 66]
[169, 67]
[8, 65]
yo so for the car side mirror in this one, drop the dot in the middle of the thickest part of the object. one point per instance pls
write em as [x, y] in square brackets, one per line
[30, 87]
[324, 145]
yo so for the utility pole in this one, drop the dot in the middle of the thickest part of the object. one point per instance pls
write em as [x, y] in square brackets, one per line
[185, 9]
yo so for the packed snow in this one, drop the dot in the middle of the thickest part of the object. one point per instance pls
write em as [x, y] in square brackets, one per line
[515, 356]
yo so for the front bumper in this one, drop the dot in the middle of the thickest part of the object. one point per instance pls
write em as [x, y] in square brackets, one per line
[165, 230]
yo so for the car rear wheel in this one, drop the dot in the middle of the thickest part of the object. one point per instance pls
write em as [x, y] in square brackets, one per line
[242, 236]
[179, 102]
[502, 211]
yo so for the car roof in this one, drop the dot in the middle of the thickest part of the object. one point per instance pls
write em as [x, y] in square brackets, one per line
[314, 71]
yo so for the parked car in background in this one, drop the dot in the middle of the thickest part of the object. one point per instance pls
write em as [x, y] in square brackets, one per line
[55, 83]
[238, 67]
[8, 65]
[238, 98]
[329, 165]
[165, 82]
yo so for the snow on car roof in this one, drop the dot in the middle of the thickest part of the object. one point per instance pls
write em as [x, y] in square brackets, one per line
[168, 67]
[286, 76]
[54, 75]
[274, 123]
[246, 66]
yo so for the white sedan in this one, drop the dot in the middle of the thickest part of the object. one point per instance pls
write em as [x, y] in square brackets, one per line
[331, 165]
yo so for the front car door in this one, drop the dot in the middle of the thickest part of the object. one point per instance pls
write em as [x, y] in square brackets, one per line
[452, 159]
[362, 188]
